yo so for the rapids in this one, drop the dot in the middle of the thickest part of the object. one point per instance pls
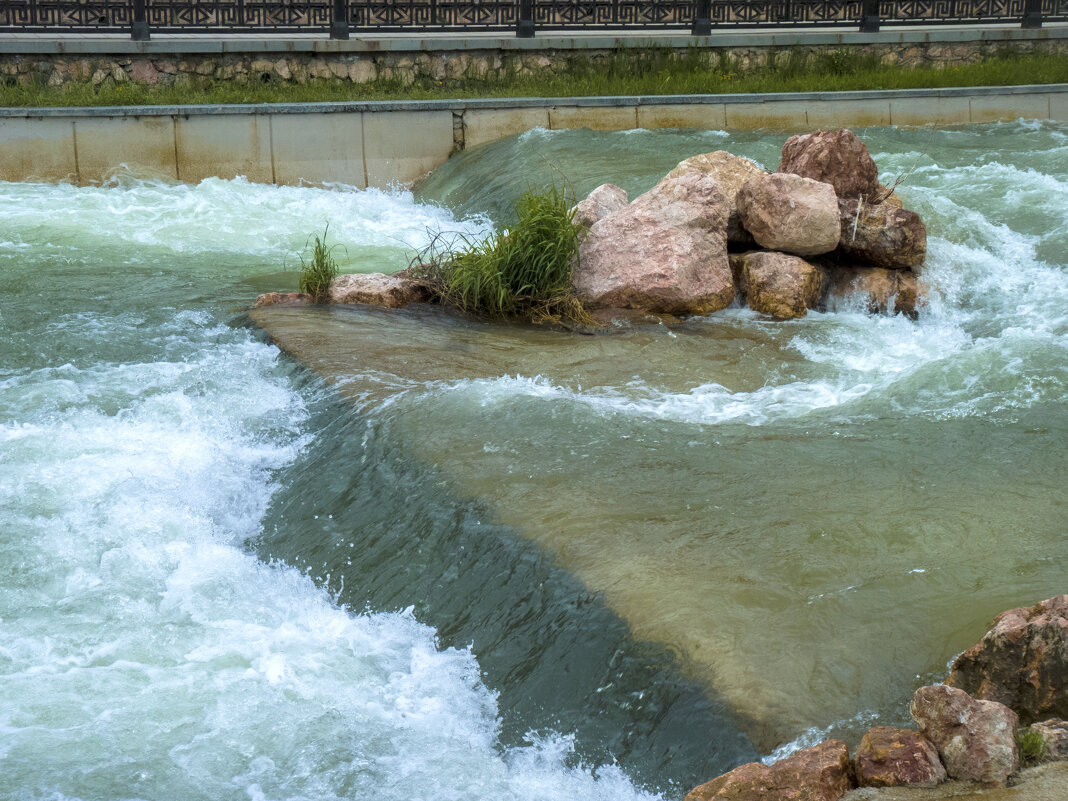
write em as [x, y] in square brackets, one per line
[436, 558]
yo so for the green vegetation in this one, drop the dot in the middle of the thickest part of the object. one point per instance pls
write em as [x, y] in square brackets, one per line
[1032, 746]
[656, 72]
[523, 271]
[317, 272]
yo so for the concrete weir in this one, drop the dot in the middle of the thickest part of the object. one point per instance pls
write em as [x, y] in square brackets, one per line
[384, 143]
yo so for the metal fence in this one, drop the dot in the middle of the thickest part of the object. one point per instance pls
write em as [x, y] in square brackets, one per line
[338, 18]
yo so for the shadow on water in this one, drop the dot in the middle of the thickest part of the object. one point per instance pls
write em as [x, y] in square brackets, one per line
[384, 532]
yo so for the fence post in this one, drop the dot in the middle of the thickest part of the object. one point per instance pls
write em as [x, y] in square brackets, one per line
[139, 28]
[339, 24]
[524, 27]
[702, 20]
[869, 16]
[1032, 17]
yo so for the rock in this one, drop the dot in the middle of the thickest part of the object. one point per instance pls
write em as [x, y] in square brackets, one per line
[601, 201]
[282, 299]
[975, 739]
[838, 158]
[1021, 662]
[377, 289]
[732, 172]
[880, 290]
[889, 757]
[882, 235]
[737, 263]
[1055, 733]
[779, 284]
[789, 213]
[664, 253]
[820, 773]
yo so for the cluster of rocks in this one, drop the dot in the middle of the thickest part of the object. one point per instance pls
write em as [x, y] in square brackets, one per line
[966, 728]
[719, 227]
[816, 232]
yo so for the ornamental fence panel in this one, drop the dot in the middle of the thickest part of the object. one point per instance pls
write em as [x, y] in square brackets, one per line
[340, 17]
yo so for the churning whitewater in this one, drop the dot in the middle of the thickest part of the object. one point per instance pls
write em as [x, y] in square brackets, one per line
[144, 652]
[843, 467]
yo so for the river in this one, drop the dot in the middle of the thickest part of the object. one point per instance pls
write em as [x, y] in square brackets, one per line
[415, 556]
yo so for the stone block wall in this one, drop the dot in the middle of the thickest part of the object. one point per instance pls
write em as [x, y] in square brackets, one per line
[444, 66]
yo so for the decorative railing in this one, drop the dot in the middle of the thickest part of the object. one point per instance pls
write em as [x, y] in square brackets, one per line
[338, 18]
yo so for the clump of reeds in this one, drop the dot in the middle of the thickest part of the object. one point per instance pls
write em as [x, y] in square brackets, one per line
[522, 271]
[320, 269]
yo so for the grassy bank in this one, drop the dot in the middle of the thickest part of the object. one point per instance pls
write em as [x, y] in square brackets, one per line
[659, 73]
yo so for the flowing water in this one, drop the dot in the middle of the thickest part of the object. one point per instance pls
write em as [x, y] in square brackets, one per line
[431, 558]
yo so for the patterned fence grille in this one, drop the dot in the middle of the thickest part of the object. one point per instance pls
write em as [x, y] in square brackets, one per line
[317, 16]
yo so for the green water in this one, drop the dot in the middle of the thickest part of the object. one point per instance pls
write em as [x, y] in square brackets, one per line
[428, 557]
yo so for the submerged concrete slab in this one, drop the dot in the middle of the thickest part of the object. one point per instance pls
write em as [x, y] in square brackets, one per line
[318, 148]
[489, 125]
[37, 149]
[144, 144]
[224, 146]
[402, 146]
[599, 118]
[707, 117]
[1010, 107]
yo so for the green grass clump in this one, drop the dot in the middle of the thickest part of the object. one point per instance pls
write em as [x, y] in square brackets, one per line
[1032, 746]
[650, 71]
[319, 270]
[523, 271]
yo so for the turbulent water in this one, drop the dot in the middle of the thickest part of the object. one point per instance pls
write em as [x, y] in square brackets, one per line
[439, 559]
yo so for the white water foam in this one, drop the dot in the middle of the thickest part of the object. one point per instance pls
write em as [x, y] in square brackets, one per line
[225, 216]
[144, 653]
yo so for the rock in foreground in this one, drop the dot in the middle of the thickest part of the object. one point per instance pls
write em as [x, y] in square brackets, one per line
[599, 203]
[732, 172]
[975, 739]
[1021, 662]
[881, 291]
[821, 773]
[889, 757]
[283, 299]
[838, 158]
[666, 252]
[377, 289]
[789, 213]
[779, 284]
[883, 235]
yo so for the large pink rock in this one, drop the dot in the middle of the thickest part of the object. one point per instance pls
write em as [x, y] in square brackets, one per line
[975, 739]
[889, 757]
[377, 289]
[732, 172]
[883, 235]
[789, 213]
[779, 284]
[838, 158]
[879, 290]
[1021, 662]
[599, 203]
[820, 773]
[666, 252]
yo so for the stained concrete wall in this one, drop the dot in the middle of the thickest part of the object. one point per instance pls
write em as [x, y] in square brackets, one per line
[385, 143]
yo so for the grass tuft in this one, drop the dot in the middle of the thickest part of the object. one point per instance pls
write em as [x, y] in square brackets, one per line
[523, 271]
[320, 269]
[1032, 746]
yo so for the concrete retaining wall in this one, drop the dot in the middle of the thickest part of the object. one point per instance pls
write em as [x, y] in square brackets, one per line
[379, 144]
